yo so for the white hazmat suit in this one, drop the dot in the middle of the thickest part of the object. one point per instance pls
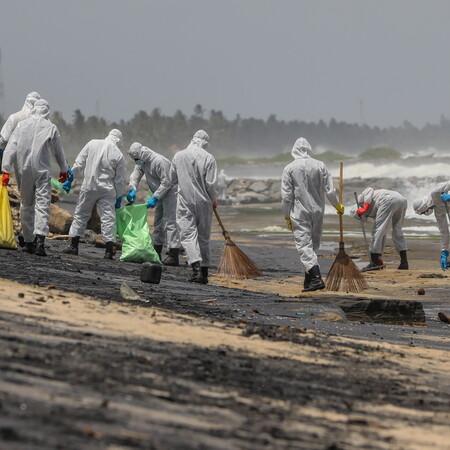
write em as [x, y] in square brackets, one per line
[156, 169]
[104, 176]
[304, 184]
[195, 172]
[29, 149]
[222, 185]
[433, 200]
[385, 206]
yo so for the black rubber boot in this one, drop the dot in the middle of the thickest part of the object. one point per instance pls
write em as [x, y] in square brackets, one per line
[40, 245]
[403, 261]
[204, 274]
[316, 282]
[376, 263]
[21, 241]
[307, 280]
[109, 252]
[158, 249]
[29, 247]
[72, 249]
[196, 273]
[172, 259]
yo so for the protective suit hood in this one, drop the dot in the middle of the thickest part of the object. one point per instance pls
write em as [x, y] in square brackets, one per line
[301, 148]
[41, 108]
[136, 151]
[422, 204]
[201, 139]
[116, 136]
[30, 100]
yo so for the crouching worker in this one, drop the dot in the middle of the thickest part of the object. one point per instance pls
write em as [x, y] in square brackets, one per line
[156, 169]
[304, 184]
[437, 201]
[28, 153]
[104, 175]
[195, 172]
[383, 206]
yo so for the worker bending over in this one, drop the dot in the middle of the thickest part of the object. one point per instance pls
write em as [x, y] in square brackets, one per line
[383, 206]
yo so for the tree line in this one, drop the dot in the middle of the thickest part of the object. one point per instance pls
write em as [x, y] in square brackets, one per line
[247, 137]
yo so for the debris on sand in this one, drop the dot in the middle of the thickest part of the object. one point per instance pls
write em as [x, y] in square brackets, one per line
[443, 317]
[128, 293]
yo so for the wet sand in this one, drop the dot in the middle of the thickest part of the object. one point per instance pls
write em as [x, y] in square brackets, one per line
[234, 364]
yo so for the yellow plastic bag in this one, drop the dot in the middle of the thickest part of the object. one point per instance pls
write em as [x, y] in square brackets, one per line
[7, 239]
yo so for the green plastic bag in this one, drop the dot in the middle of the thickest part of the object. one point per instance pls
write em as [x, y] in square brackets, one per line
[134, 233]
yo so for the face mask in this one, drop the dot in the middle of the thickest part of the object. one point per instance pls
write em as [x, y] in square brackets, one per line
[139, 162]
[428, 212]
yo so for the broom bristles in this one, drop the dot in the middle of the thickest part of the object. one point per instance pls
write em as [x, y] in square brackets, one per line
[344, 276]
[235, 263]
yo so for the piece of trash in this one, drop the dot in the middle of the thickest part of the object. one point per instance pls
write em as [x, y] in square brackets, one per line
[255, 310]
[128, 293]
[443, 317]
[300, 314]
[421, 291]
[21, 295]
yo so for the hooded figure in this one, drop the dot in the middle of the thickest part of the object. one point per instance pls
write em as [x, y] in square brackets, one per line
[436, 201]
[383, 206]
[104, 176]
[304, 184]
[156, 169]
[195, 172]
[14, 119]
[222, 185]
[28, 153]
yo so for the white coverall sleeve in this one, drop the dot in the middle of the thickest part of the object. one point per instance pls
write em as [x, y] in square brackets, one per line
[58, 152]
[441, 188]
[287, 192]
[119, 179]
[163, 175]
[7, 131]
[211, 179]
[173, 176]
[136, 176]
[366, 196]
[10, 155]
[80, 162]
[330, 191]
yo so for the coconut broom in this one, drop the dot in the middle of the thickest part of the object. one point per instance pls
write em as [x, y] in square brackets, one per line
[234, 262]
[344, 275]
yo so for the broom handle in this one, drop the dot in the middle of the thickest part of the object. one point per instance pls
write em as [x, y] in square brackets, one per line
[224, 232]
[341, 182]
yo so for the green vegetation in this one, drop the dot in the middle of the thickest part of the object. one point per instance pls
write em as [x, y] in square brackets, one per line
[380, 153]
[330, 156]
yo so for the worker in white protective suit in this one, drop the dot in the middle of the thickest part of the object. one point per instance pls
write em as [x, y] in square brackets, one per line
[222, 185]
[383, 206]
[156, 169]
[437, 201]
[195, 172]
[28, 152]
[304, 184]
[12, 121]
[104, 177]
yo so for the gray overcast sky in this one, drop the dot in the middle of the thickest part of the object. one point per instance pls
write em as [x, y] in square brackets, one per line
[298, 59]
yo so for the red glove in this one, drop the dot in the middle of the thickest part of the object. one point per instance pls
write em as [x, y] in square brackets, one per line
[364, 208]
[5, 179]
[63, 177]
[215, 204]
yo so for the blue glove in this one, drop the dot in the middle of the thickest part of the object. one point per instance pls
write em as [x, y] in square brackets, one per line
[67, 185]
[131, 197]
[152, 202]
[444, 264]
[70, 176]
[445, 197]
[118, 202]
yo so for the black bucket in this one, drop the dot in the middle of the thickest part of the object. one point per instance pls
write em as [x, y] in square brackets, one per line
[151, 273]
